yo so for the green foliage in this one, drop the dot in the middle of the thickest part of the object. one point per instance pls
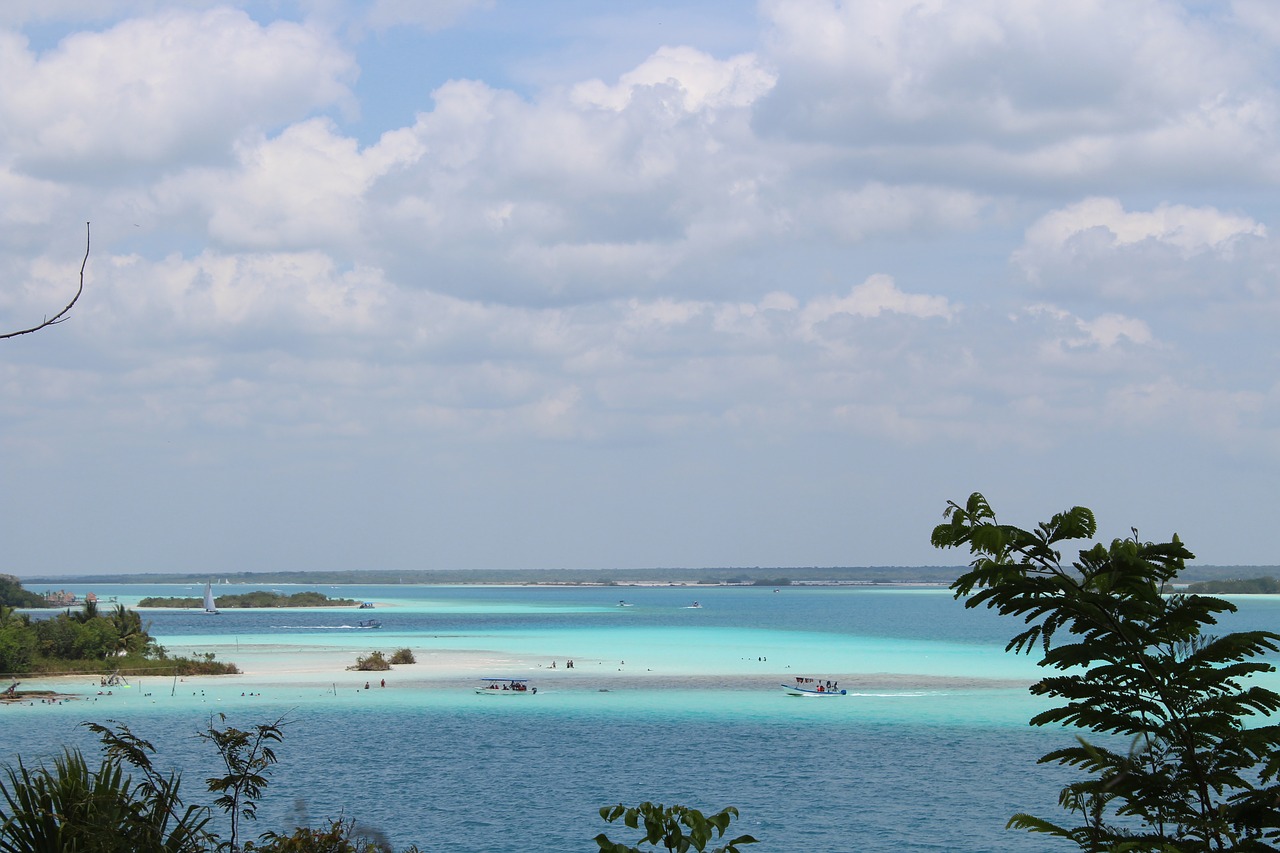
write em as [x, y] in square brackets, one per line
[1200, 769]
[70, 807]
[403, 656]
[89, 641]
[373, 662]
[17, 647]
[258, 598]
[677, 828]
[1249, 586]
[247, 756]
[13, 595]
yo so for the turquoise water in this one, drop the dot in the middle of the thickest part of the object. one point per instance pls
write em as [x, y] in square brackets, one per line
[929, 752]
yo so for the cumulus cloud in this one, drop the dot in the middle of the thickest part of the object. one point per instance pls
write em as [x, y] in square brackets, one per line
[1100, 246]
[873, 297]
[694, 80]
[1103, 332]
[302, 189]
[149, 90]
[1048, 91]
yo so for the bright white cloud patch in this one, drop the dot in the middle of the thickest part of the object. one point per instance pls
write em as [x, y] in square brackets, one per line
[148, 90]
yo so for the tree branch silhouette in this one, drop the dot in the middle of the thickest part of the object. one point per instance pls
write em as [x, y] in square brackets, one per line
[61, 315]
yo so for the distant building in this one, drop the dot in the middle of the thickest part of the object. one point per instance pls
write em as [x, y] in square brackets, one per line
[61, 598]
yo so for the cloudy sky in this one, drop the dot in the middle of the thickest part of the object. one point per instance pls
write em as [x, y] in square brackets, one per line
[407, 284]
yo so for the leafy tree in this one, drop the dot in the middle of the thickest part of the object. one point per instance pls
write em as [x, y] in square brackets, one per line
[247, 756]
[1183, 765]
[677, 828]
[17, 646]
[87, 613]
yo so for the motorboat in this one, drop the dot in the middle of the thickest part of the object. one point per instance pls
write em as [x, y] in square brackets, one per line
[814, 687]
[369, 623]
[505, 687]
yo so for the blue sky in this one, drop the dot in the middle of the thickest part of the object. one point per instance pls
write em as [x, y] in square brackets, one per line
[402, 285]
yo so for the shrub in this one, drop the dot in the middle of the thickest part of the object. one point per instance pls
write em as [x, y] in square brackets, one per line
[403, 656]
[375, 662]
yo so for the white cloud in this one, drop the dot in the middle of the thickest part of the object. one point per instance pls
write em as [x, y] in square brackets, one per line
[1054, 92]
[877, 295]
[692, 79]
[148, 90]
[302, 189]
[1097, 246]
[1188, 229]
[1102, 332]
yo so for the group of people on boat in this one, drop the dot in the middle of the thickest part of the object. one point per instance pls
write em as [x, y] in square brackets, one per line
[822, 686]
[518, 686]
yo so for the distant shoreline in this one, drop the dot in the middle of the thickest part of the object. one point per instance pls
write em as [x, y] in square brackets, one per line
[723, 577]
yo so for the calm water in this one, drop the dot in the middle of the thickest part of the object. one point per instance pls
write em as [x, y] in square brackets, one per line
[666, 703]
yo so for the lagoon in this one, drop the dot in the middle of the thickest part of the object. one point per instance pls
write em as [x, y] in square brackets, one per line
[666, 702]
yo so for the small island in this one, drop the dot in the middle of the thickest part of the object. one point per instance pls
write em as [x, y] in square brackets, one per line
[255, 599]
[1247, 586]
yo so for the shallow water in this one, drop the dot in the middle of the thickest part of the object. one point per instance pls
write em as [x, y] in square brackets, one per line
[668, 703]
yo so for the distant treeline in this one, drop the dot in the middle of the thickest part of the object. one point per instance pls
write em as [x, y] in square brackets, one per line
[756, 575]
[1255, 586]
[764, 576]
[254, 599]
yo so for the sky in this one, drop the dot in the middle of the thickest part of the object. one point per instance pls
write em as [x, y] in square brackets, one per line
[454, 284]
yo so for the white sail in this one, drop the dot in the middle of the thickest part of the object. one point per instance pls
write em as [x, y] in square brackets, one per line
[208, 599]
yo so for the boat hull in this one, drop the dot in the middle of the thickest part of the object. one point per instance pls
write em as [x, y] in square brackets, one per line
[804, 691]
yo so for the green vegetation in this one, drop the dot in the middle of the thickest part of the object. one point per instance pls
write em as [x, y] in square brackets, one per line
[13, 595]
[373, 662]
[1252, 586]
[88, 641]
[255, 599]
[403, 656]
[1184, 765]
[677, 828]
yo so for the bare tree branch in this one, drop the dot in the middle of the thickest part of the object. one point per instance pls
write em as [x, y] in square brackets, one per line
[61, 315]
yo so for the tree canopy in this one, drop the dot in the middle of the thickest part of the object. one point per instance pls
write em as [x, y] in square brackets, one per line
[1183, 760]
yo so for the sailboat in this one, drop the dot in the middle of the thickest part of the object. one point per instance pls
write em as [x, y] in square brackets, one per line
[209, 606]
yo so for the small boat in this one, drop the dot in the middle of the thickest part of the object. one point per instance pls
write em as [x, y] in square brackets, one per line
[623, 604]
[505, 687]
[813, 687]
[694, 606]
[209, 606]
[366, 605]
[369, 623]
